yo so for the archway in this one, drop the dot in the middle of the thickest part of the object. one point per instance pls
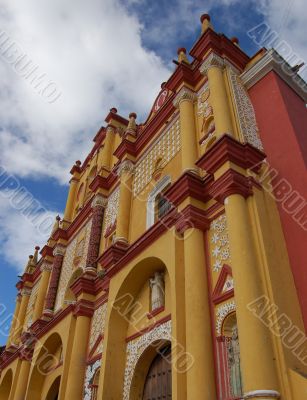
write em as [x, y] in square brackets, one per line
[47, 369]
[6, 384]
[118, 323]
[53, 392]
[152, 377]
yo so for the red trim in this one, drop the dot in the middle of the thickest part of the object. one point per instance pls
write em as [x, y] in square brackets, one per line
[192, 217]
[116, 117]
[221, 45]
[149, 328]
[217, 295]
[92, 360]
[101, 182]
[124, 148]
[229, 149]
[84, 308]
[155, 312]
[83, 285]
[58, 317]
[231, 182]
[189, 185]
[46, 251]
[98, 340]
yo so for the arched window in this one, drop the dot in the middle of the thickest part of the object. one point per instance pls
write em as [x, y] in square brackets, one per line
[157, 204]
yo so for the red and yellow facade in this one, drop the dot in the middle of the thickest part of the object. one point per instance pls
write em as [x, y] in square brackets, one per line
[171, 238]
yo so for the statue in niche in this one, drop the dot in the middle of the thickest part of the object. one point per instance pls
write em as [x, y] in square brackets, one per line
[234, 364]
[157, 291]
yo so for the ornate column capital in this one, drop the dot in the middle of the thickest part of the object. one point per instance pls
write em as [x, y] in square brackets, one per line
[126, 166]
[99, 201]
[59, 250]
[46, 266]
[110, 129]
[26, 291]
[184, 94]
[213, 60]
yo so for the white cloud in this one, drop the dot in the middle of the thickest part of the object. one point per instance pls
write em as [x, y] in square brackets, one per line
[93, 52]
[20, 232]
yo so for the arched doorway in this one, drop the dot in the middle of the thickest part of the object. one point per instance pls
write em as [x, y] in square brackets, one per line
[6, 384]
[158, 382]
[53, 392]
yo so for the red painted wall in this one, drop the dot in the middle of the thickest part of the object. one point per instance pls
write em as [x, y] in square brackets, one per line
[282, 120]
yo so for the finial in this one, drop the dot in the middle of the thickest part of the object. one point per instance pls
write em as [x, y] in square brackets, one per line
[113, 110]
[35, 256]
[163, 85]
[182, 55]
[29, 264]
[205, 21]
[131, 128]
[78, 163]
[56, 224]
[235, 40]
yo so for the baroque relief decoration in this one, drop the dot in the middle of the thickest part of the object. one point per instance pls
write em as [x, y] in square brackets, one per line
[68, 266]
[31, 303]
[165, 147]
[89, 376]
[111, 210]
[220, 253]
[221, 312]
[205, 112]
[245, 111]
[98, 324]
[135, 349]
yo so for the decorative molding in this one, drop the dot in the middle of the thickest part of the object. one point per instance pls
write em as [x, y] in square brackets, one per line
[184, 94]
[220, 253]
[98, 325]
[272, 394]
[99, 201]
[213, 60]
[135, 349]
[26, 291]
[111, 210]
[224, 288]
[126, 166]
[166, 146]
[245, 111]
[59, 250]
[221, 313]
[225, 149]
[272, 61]
[89, 375]
[46, 266]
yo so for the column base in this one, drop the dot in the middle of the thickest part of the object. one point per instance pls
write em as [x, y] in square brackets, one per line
[262, 395]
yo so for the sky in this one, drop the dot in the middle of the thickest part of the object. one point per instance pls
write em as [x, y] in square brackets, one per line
[91, 56]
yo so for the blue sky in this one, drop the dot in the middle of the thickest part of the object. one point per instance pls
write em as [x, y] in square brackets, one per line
[102, 54]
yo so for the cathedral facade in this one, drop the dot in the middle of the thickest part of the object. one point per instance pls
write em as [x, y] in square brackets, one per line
[178, 268]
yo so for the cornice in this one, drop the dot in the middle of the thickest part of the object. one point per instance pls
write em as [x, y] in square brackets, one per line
[273, 61]
[221, 45]
[192, 218]
[229, 149]
[101, 182]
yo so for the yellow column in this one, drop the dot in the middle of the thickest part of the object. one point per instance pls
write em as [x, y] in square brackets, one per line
[42, 291]
[10, 340]
[22, 382]
[200, 377]
[184, 100]
[69, 209]
[213, 67]
[258, 364]
[105, 155]
[125, 191]
[25, 295]
[77, 365]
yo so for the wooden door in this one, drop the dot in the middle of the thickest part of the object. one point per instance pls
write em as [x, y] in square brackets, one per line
[158, 383]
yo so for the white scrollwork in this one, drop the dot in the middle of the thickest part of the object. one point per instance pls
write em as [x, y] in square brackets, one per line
[135, 349]
[112, 209]
[98, 323]
[219, 242]
[166, 146]
[221, 313]
[89, 375]
[245, 111]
